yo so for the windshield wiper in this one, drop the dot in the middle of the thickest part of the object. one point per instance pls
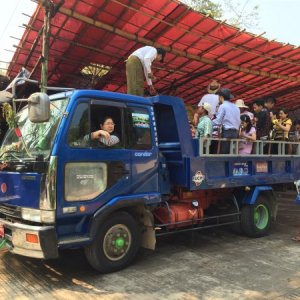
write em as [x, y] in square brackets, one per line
[9, 153]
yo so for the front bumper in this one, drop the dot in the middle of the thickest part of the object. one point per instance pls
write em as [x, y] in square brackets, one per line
[15, 234]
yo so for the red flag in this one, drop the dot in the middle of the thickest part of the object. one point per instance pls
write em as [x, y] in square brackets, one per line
[18, 132]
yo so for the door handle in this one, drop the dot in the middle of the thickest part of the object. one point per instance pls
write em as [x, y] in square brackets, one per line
[122, 172]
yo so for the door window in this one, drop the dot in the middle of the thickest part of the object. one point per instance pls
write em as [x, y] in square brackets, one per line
[99, 126]
[139, 129]
[80, 127]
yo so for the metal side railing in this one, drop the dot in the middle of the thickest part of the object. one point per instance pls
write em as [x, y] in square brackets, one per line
[259, 147]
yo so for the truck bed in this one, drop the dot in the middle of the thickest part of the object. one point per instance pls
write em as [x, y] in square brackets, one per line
[211, 171]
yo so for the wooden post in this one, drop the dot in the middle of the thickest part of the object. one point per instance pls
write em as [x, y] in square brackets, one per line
[45, 44]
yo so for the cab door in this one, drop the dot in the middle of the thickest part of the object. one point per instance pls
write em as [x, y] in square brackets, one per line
[90, 172]
[141, 140]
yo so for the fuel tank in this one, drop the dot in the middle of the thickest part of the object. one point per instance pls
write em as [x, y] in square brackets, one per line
[177, 215]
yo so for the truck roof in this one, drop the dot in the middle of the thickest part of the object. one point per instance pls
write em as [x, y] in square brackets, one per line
[103, 94]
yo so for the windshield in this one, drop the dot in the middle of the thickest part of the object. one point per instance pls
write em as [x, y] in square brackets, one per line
[32, 140]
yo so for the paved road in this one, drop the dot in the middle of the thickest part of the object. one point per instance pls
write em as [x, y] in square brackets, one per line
[212, 264]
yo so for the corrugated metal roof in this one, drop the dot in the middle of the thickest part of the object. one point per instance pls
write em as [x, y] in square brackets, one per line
[102, 32]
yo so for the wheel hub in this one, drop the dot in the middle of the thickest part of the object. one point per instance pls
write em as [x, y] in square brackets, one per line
[120, 243]
[117, 242]
[261, 217]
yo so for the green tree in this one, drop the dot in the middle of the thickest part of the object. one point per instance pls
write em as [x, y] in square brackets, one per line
[239, 13]
[206, 7]
[242, 14]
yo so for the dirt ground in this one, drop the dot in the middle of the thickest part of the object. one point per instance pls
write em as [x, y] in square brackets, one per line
[211, 264]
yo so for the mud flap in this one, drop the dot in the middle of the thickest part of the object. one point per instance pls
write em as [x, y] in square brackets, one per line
[148, 234]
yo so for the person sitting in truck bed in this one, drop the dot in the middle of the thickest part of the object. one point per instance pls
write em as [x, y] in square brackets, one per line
[104, 134]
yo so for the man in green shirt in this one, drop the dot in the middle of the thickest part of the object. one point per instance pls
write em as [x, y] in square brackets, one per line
[204, 127]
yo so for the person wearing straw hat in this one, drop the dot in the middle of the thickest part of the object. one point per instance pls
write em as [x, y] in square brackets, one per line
[210, 98]
[244, 109]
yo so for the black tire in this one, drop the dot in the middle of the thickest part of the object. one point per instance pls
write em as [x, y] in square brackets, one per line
[116, 243]
[256, 219]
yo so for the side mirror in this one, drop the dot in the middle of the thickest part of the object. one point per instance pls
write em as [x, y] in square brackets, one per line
[39, 108]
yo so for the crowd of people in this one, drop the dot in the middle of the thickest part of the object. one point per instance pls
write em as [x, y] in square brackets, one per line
[217, 116]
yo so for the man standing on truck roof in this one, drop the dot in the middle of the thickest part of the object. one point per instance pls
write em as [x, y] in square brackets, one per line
[228, 116]
[138, 65]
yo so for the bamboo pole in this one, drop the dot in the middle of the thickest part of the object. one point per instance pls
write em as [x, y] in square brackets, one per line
[45, 45]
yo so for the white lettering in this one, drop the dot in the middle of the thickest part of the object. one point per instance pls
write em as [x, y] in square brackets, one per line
[144, 154]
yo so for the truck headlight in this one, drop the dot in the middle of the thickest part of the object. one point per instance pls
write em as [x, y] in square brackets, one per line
[37, 215]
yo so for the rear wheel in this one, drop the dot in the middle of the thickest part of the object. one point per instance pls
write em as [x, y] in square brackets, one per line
[116, 243]
[256, 219]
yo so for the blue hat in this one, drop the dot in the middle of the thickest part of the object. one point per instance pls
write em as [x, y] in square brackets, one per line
[225, 93]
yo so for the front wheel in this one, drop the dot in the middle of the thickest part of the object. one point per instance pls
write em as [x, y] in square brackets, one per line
[116, 243]
[256, 219]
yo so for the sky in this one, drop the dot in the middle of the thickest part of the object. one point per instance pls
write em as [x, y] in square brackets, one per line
[278, 18]
[11, 20]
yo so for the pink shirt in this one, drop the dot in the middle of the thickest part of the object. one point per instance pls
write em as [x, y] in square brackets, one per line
[245, 146]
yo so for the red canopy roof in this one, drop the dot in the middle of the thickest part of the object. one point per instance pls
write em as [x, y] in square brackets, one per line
[101, 32]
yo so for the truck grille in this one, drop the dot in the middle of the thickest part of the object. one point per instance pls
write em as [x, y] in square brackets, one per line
[9, 212]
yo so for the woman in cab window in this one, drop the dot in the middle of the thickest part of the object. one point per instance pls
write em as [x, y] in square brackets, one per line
[105, 134]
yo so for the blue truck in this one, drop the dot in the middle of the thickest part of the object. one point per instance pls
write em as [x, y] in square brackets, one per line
[60, 189]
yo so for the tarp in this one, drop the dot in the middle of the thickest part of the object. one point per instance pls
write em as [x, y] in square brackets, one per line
[101, 32]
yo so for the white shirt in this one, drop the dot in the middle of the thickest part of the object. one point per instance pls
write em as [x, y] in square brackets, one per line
[146, 55]
[213, 100]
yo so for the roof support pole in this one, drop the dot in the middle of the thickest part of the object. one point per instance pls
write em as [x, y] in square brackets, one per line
[50, 10]
[46, 4]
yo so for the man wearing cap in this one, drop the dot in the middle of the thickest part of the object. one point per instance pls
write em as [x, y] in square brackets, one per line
[228, 116]
[244, 109]
[138, 65]
[210, 98]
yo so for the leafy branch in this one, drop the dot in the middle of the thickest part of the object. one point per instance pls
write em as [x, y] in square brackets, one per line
[9, 115]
